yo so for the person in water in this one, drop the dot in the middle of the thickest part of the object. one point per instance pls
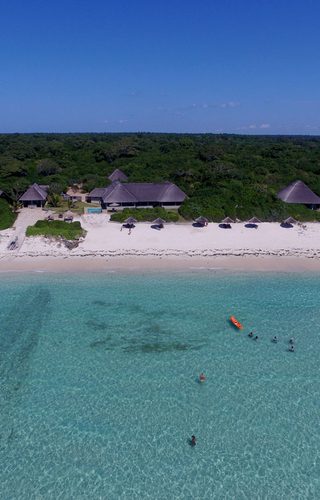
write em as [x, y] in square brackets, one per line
[202, 377]
[275, 339]
[291, 349]
[291, 341]
[250, 334]
[193, 440]
[256, 337]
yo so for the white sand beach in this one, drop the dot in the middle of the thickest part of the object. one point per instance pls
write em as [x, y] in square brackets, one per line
[107, 245]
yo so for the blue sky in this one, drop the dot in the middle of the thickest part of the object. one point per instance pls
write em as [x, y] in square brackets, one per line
[231, 66]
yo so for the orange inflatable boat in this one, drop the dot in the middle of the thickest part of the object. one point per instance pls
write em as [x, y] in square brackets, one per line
[236, 323]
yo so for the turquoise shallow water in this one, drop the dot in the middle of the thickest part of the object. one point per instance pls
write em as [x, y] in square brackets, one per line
[99, 394]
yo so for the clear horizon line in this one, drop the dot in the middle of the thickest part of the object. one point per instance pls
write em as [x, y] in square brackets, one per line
[166, 133]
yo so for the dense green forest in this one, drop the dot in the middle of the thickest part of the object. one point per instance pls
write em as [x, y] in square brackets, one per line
[222, 175]
[7, 216]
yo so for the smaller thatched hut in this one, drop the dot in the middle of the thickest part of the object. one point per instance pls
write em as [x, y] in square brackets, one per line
[35, 196]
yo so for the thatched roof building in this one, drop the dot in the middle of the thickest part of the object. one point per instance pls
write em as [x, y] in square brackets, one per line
[36, 195]
[298, 192]
[75, 194]
[118, 175]
[138, 194]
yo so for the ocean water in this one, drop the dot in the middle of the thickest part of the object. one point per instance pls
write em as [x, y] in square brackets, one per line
[99, 391]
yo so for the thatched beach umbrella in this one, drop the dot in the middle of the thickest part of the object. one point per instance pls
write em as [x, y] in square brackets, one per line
[50, 215]
[159, 222]
[254, 220]
[227, 220]
[202, 221]
[226, 223]
[288, 223]
[68, 216]
[253, 223]
[130, 221]
[290, 220]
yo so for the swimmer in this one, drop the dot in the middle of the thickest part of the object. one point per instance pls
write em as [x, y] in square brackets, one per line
[291, 348]
[291, 341]
[275, 339]
[256, 337]
[202, 377]
[250, 334]
[193, 441]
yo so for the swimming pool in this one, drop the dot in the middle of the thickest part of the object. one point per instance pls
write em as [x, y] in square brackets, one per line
[94, 210]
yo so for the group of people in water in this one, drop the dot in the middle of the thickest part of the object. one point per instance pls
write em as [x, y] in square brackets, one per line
[291, 343]
[202, 378]
[275, 340]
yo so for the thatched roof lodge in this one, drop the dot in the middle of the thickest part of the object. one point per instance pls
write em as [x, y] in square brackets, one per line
[138, 194]
[298, 192]
[35, 196]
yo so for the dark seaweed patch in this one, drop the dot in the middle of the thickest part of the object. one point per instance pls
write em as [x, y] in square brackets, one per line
[97, 325]
[159, 347]
[19, 338]
[99, 303]
[154, 329]
[99, 343]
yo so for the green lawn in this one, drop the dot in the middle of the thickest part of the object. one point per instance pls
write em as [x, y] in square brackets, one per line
[78, 207]
[56, 229]
[7, 217]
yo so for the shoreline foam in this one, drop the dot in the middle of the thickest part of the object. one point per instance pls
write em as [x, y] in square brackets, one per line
[143, 264]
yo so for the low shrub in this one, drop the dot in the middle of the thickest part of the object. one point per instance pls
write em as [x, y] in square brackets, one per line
[145, 214]
[56, 229]
[7, 216]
